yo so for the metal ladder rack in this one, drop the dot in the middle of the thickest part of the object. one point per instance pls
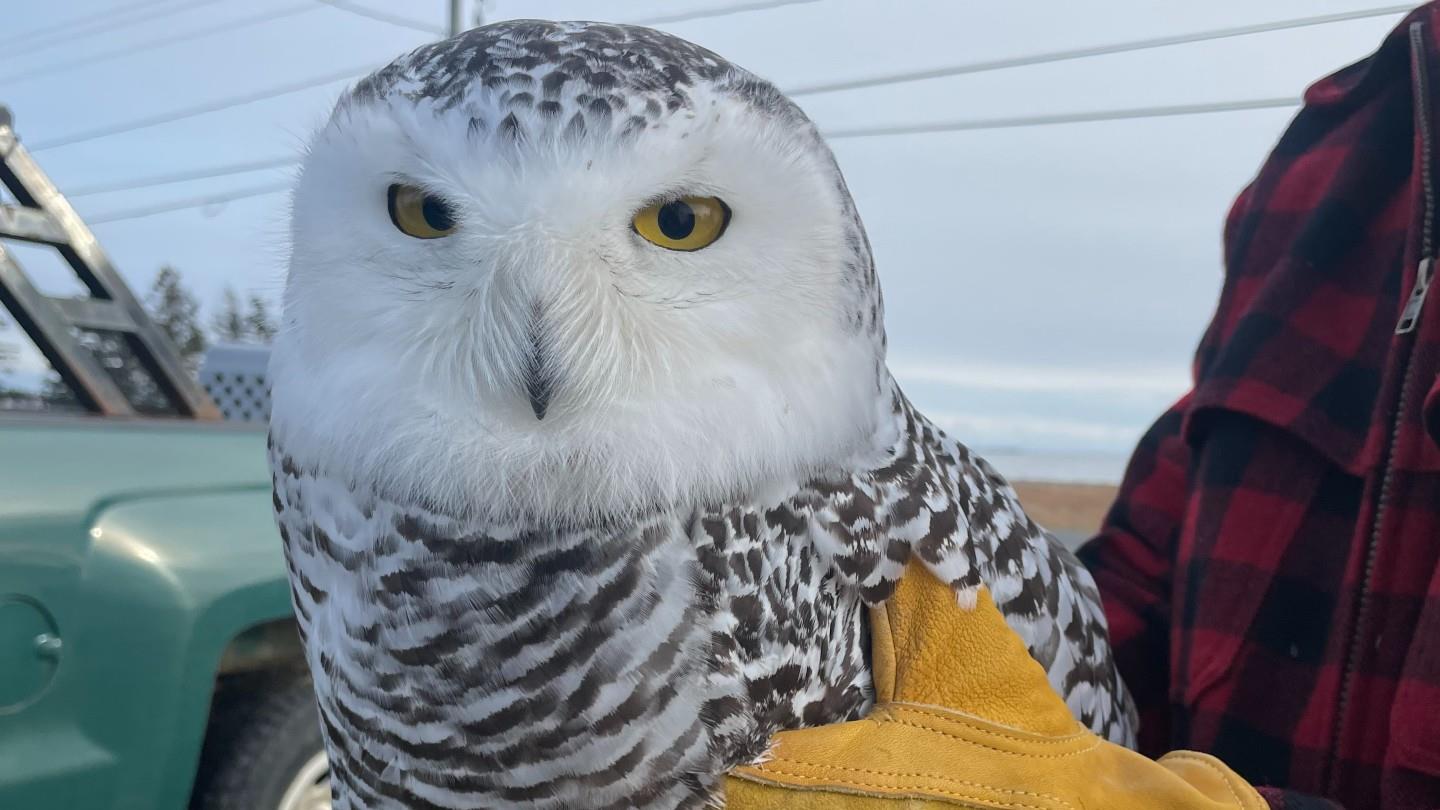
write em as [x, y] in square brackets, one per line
[45, 217]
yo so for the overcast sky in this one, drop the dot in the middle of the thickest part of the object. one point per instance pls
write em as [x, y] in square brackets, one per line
[1045, 286]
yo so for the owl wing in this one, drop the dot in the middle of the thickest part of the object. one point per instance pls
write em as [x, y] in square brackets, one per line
[937, 501]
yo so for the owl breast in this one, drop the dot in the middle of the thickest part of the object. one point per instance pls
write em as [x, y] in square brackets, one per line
[462, 665]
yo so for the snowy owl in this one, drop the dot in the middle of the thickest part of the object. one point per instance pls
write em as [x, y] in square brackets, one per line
[586, 458]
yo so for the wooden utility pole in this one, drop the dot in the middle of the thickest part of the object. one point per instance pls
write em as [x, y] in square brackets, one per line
[457, 16]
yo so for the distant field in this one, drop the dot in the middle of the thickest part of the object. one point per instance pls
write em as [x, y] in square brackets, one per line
[1073, 511]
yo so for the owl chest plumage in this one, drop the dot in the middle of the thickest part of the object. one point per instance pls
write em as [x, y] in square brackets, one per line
[463, 664]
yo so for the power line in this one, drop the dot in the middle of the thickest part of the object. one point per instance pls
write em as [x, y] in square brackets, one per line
[853, 132]
[1083, 53]
[723, 11]
[856, 132]
[797, 91]
[192, 202]
[1065, 118]
[403, 22]
[131, 50]
[100, 27]
[118, 11]
[202, 109]
[182, 177]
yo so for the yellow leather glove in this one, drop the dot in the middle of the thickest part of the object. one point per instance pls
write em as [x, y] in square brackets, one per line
[964, 717]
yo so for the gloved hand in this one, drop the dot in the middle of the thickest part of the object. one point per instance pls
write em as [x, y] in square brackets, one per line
[965, 717]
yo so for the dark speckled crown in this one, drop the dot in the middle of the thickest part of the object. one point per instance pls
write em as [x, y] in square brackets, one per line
[591, 74]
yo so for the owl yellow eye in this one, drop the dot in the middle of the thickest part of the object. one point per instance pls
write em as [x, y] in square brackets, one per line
[420, 214]
[689, 223]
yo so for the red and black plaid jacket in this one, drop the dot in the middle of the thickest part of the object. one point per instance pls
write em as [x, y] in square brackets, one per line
[1270, 564]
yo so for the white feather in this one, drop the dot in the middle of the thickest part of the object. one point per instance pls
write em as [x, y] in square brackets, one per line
[658, 353]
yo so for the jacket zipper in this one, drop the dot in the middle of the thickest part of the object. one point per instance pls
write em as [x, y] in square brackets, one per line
[1411, 315]
[1409, 318]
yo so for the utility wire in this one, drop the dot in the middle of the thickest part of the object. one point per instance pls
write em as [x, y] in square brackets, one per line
[874, 81]
[67, 25]
[202, 109]
[830, 87]
[273, 92]
[130, 50]
[182, 177]
[101, 27]
[1084, 53]
[853, 132]
[724, 11]
[403, 22]
[192, 202]
[843, 133]
[856, 132]
[1065, 118]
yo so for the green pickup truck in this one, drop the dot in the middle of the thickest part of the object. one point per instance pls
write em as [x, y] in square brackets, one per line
[148, 656]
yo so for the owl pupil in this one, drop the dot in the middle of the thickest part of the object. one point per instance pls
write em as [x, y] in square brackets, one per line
[676, 220]
[437, 214]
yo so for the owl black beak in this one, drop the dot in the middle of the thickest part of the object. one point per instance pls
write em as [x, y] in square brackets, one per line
[537, 376]
[539, 391]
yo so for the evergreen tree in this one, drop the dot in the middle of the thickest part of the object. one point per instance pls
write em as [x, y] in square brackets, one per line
[177, 313]
[228, 323]
[258, 323]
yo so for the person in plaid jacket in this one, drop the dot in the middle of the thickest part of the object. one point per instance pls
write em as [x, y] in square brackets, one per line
[1270, 564]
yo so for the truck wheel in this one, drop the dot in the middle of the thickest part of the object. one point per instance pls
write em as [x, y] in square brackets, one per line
[263, 750]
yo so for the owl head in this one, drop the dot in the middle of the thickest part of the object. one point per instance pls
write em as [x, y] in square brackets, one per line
[560, 271]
